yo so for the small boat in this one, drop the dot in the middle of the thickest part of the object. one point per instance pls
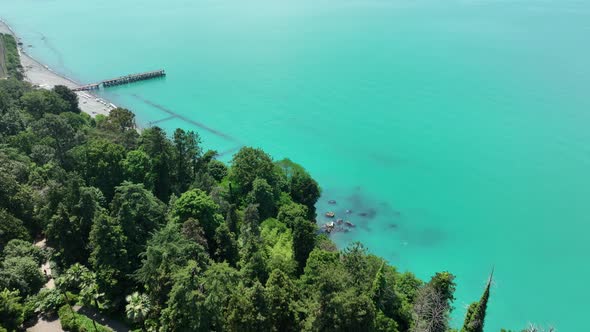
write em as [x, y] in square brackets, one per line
[363, 214]
[348, 211]
[339, 221]
[330, 214]
[349, 224]
[332, 202]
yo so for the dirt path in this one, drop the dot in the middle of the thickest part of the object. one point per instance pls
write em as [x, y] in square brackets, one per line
[46, 268]
[45, 324]
[91, 313]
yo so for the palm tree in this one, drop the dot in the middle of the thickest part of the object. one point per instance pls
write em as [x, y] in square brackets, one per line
[138, 307]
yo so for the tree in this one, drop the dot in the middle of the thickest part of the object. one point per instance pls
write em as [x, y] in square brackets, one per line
[11, 228]
[302, 187]
[217, 169]
[289, 212]
[109, 257]
[100, 163]
[253, 262]
[69, 96]
[120, 120]
[444, 283]
[219, 282]
[137, 168]
[79, 279]
[232, 219]
[188, 151]
[57, 132]
[249, 164]
[21, 248]
[185, 309]
[476, 313]
[251, 220]
[64, 234]
[39, 102]
[11, 310]
[262, 195]
[354, 258]
[278, 243]
[303, 241]
[433, 304]
[280, 296]
[138, 308]
[320, 262]
[383, 294]
[166, 252]
[90, 202]
[198, 205]
[347, 311]
[306, 191]
[248, 309]
[192, 230]
[21, 273]
[156, 145]
[139, 213]
[226, 246]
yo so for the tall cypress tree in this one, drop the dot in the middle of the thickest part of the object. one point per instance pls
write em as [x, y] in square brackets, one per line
[476, 313]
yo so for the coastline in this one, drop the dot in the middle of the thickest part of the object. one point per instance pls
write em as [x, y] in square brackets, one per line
[38, 74]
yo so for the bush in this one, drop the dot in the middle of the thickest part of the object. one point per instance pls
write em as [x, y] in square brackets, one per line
[75, 322]
[21, 248]
[48, 301]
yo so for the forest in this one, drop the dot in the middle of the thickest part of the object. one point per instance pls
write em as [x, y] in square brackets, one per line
[153, 231]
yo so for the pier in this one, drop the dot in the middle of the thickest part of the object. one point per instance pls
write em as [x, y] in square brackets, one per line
[122, 80]
[87, 87]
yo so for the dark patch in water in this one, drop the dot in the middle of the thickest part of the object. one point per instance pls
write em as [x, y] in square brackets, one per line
[429, 237]
[49, 46]
[229, 151]
[152, 123]
[371, 213]
[383, 160]
[366, 213]
[186, 119]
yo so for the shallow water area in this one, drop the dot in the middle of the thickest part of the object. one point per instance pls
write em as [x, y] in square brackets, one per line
[459, 128]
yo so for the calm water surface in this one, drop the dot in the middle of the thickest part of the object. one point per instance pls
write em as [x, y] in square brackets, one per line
[459, 127]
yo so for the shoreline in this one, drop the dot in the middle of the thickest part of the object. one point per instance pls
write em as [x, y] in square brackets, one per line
[38, 74]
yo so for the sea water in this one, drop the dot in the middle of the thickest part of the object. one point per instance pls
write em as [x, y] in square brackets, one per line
[459, 129]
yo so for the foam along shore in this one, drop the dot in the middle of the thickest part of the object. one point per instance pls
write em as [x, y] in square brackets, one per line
[40, 75]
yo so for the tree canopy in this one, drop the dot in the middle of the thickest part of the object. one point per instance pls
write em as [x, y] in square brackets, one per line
[152, 228]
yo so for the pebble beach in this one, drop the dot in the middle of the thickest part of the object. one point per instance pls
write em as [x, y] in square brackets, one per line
[44, 77]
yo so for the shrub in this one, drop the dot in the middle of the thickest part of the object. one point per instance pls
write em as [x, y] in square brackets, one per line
[48, 301]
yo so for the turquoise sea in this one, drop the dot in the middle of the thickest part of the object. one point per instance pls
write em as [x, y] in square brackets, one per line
[460, 127]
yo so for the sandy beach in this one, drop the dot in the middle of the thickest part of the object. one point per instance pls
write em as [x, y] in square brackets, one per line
[40, 75]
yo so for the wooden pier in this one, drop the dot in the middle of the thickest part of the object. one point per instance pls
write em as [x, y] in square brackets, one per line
[133, 78]
[122, 80]
[87, 87]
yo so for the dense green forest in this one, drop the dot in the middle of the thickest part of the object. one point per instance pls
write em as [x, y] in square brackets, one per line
[153, 231]
[9, 61]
